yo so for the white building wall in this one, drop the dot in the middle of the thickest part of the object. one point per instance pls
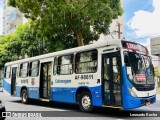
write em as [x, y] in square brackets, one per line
[155, 50]
[12, 17]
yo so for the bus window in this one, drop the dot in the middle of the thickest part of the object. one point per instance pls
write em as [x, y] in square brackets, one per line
[7, 73]
[139, 68]
[86, 62]
[65, 65]
[23, 72]
[34, 67]
[116, 70]
[55, 65]
[106, 69]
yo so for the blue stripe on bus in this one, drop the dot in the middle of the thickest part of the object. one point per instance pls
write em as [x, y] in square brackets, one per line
[33, 92]
[6, 86]
[63, 94]
[132, 102]
[129, 101]
[69, 95]
[96, 96]
[18, 91]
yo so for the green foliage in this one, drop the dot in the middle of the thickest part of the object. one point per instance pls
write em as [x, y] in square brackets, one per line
[57, 25]
[25, 41]
[156, 72]
[12, 3]
[71, 17]
[6, 49]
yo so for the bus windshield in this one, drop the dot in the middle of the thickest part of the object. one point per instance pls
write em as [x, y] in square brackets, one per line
[139, 68]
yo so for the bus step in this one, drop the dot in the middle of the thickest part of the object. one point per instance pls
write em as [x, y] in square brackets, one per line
[45, 100]
[117, 107]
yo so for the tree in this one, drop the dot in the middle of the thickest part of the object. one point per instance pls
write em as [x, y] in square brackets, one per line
[71, 17]
[156, 72]
[8, 49]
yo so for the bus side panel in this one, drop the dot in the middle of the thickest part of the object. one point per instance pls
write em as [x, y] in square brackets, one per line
[96, 96]
[68, 95]
[33, 92]
[18, 91]
[7, 86]
[63, 94]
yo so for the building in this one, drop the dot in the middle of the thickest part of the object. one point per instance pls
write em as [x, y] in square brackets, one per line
[12, 17]
[155, 50]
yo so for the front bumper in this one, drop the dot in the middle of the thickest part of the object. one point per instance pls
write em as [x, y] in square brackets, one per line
[130, 102]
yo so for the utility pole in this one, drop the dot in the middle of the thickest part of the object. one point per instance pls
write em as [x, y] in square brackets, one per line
[119, 30]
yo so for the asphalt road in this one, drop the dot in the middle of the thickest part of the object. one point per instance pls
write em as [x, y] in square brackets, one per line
[61, 111]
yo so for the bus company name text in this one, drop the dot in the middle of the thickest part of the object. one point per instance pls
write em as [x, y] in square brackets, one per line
[136, 47]
[24, 81]
[63, 81]
[83, 77]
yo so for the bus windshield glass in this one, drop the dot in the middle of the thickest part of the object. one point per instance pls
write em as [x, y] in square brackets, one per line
[139, 68]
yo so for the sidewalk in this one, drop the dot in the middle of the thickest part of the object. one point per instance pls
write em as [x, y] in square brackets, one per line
[158, 96]
[158, 93]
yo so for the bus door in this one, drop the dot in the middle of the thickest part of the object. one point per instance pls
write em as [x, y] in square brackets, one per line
[111, 79]
[45, 80]
[13, 80]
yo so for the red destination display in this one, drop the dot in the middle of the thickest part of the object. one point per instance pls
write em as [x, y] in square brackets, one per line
[141, 77]
[134, 46]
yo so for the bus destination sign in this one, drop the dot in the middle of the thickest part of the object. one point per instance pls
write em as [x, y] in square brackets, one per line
[134, 46]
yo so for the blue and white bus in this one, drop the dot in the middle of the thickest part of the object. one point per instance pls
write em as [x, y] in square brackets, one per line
[117, 74]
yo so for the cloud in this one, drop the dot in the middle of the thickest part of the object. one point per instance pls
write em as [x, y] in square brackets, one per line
[145, 23]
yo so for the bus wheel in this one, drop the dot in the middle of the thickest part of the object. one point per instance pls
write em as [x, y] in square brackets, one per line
[85, 102]
[24, 96]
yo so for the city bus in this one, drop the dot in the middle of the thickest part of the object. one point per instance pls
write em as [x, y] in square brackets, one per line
[115, 74]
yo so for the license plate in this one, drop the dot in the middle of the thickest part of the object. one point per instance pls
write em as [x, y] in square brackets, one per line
[148, 103]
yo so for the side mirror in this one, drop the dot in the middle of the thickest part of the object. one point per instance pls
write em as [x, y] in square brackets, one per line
[152, 68]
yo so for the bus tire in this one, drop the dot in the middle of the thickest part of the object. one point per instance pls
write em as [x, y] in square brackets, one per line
[24, 96]
[85, 102]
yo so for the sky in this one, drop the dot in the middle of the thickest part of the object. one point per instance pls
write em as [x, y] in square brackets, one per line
[141, 19]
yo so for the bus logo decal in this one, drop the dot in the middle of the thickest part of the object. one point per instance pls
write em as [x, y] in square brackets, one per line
[33, 81]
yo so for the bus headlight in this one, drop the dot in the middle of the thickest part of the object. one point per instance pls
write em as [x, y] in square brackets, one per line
[132, 92]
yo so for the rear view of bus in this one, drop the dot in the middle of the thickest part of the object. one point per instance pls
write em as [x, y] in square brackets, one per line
[138, 88]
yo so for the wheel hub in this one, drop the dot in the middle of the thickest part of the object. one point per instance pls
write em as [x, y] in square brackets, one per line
[86, 102]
